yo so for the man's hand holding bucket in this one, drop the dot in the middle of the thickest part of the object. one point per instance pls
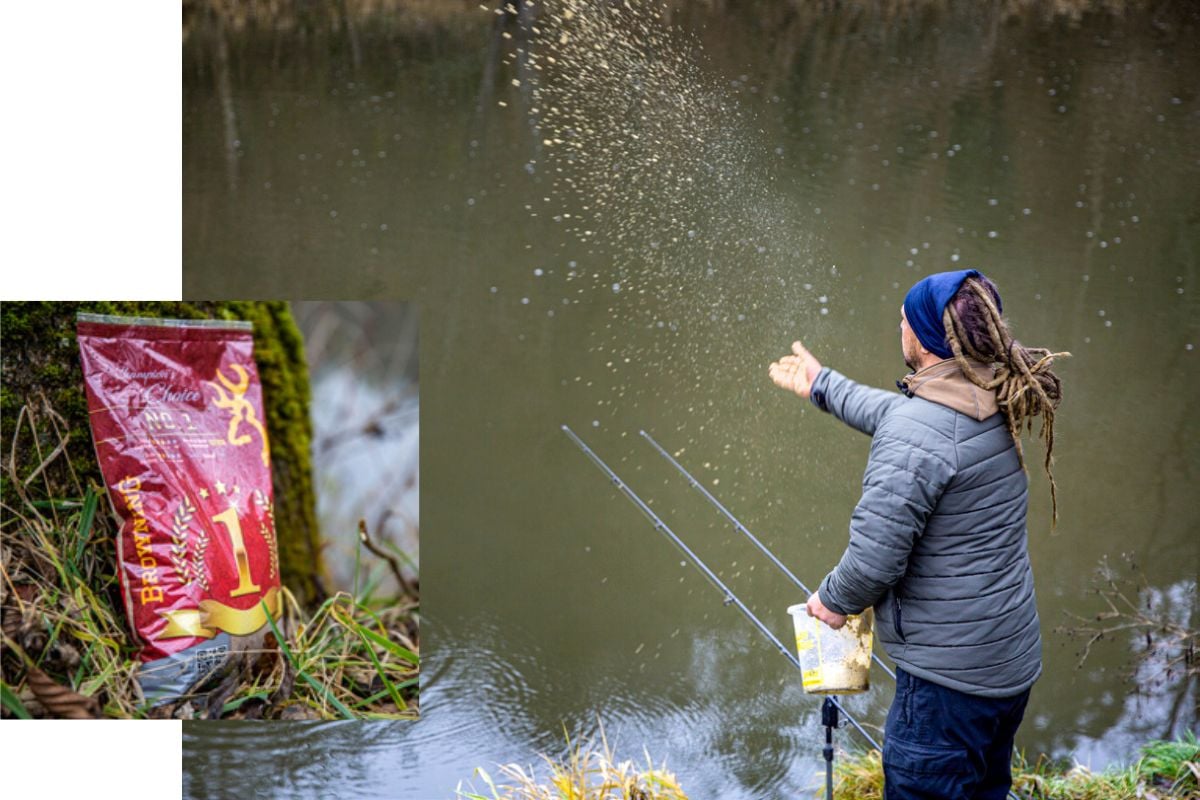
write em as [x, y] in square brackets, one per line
[817, 609]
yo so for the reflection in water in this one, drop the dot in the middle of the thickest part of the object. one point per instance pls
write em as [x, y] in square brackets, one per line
[225, 95]
[486, 705]
[1163, 685]
[1060, 159]
[374, 759]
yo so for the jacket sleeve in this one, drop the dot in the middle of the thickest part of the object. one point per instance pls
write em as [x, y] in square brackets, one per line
[860, 407]
[909, 467]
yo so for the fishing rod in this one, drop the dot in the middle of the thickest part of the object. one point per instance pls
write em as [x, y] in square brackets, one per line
[730, 597]
[738, 526]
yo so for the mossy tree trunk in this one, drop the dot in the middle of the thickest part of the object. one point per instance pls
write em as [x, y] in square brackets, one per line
[42, 395]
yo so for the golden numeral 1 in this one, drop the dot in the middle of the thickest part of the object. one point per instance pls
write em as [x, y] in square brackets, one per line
[229, 519]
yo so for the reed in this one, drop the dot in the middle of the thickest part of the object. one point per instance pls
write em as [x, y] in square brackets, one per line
[589, 770]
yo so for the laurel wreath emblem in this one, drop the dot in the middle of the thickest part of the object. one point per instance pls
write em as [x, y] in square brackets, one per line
[199, 565]
[267, 528]
[188, 547]
[181, 531]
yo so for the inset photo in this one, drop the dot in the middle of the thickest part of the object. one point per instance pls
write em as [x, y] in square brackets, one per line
[210, 510]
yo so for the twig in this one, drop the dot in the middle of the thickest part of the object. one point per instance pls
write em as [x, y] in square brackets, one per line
[405, 585]
[1126, 615]
[17, 483]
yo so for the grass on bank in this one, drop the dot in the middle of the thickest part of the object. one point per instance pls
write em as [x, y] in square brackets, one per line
[589, 771]
[1164, 770]
[68, 652]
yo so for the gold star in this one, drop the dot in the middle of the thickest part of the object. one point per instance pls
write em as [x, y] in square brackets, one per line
[204, 494]
[220, 487]
[236, 489]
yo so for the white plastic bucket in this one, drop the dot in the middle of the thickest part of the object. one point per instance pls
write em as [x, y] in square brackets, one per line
[834, 662]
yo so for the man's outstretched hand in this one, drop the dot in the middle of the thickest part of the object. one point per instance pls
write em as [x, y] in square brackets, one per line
[796, 372]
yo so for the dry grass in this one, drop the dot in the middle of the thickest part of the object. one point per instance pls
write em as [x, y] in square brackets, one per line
[589, 771]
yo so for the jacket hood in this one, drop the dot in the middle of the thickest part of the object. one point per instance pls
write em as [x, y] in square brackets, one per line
[944, 383]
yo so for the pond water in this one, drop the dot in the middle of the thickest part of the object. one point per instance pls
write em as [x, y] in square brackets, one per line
[734, 181]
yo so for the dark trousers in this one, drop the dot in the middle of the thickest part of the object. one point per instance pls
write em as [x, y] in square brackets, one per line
[941, 744]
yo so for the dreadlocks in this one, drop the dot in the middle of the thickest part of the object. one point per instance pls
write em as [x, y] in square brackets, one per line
[1025, 386]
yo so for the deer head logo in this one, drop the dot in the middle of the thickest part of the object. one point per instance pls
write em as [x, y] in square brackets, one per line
[240, 410]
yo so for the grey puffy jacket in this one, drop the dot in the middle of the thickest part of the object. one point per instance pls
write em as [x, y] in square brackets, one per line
[938, 540]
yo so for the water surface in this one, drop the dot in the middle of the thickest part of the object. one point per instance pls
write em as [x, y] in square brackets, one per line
[843, 157]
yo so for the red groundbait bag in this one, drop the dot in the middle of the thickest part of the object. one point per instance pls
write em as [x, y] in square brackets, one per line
[177, 419]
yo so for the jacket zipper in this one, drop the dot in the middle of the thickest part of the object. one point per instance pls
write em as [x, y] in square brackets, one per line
[896, 616]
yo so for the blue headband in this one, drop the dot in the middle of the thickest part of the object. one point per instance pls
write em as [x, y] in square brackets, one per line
[926, 302]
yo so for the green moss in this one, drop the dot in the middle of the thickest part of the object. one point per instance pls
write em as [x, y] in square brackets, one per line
[43, 384]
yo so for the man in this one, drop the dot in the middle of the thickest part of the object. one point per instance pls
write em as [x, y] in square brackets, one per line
[938, 539]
